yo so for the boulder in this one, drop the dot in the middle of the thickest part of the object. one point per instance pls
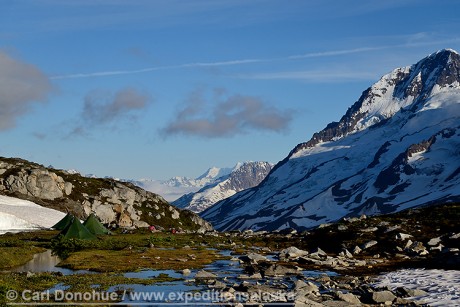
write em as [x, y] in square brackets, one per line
[291, 253]
[403, 236]
[406, 292]
[356, 250]
[279, 270]
[348, 297]
[369, 229]
[385, 296]
[434, 241]
[202, 274]
[253, 258]
[369, 244]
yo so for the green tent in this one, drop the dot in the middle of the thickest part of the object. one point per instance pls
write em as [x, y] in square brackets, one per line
[64, 222]
[94, 226]
[77, 231]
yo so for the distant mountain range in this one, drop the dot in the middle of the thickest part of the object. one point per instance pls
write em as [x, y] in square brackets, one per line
[198, 194]
[242, 177]
[397, 147]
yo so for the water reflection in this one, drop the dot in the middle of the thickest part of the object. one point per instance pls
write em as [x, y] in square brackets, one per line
[45, 262]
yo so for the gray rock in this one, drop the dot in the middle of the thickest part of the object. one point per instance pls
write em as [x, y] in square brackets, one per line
[406, 292]
[434, 241]
[403, 236]
[437, 248]
[417, 248]
[306, 302]
[305, 287]
[369, 229]
[291, 253]
[218, 285]
[348, 297]
[205, 275]
[392, 228]
[455, 236]
[279, 270]
[339, 304]
[369, 244]
[253, 258]
[319, 251]
[346, 253]
[356, 250]
[382, 296]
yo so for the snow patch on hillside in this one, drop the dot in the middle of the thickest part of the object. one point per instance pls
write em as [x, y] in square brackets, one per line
[22, 215]
[442, 286]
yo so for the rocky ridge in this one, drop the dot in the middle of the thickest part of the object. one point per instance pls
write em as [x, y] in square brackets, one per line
[117, 203]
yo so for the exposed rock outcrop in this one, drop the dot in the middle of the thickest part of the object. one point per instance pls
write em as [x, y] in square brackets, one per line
[117, 203]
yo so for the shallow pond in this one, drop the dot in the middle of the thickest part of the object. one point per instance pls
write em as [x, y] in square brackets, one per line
[45, 262]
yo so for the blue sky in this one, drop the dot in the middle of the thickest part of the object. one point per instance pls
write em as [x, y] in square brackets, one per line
[155, 89]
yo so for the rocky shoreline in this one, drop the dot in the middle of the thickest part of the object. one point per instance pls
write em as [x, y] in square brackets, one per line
[351, 253]
[279, 280]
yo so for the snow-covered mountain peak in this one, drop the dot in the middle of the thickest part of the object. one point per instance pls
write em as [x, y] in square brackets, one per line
[214, 173]
[406, 88]
[397, 147]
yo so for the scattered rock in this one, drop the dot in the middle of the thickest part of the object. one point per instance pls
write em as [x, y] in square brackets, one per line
[356, 250]
[346, 253]
[382, 297]
[253, 258]
[348, 297]
[434, 241]
[403, 236]
[406, 292]
[369, 244]
[279, 270]
[291, 253]
[369, 229]
[205, 275]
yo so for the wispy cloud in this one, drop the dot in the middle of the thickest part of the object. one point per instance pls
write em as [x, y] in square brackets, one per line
[311, 76]
[415, 40]
[21, 85]
[226, 116]
[150, 69]
[102, 108]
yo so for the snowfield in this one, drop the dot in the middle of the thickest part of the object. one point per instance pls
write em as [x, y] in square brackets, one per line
[21, 215]
[442, 286]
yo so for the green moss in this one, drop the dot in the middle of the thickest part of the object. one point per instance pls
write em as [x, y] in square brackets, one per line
[14, 256]
[134, 259]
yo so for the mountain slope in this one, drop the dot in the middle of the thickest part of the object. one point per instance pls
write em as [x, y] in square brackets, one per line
[244, 176]
[397, 147]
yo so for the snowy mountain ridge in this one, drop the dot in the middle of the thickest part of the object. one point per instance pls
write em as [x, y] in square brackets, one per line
[176, 187]
[244, 176]
[396, 147]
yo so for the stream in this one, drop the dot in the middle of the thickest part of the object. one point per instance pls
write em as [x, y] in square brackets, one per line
[187, 289]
